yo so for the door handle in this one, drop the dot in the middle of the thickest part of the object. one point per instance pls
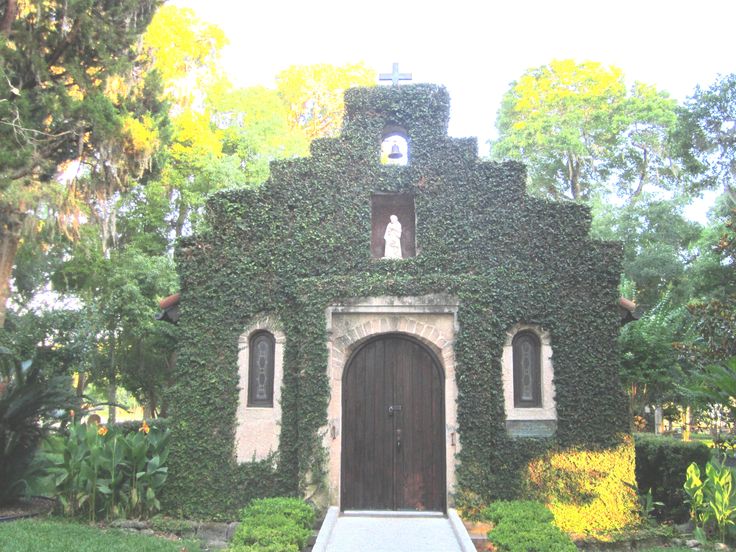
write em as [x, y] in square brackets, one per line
[394, 408]
[398, 438]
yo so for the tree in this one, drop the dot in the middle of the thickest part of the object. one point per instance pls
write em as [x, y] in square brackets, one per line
[659, 246]
[120, 296]
[314, 95]
[580, 133]
[650, 366]
[707, 135]
[57, 59]
[255, 125]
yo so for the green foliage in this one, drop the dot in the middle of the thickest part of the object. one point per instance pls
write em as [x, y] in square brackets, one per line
[30, 400]
[54, 76]
[264, 548]
[650, 367]
[658, 242]
[302, 242]
[120, 340]
[63, 536]
[706, 133]
[715, 385]
[103, 472]
[712, 499]
[73, 93]
[273, 524]
[578, 129]
[521, 526]
[291, 508]
[661, 464]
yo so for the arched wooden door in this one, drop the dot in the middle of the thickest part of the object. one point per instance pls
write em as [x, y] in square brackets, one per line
[393, 445]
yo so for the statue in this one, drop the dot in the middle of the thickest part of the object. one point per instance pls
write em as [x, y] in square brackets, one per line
[393, 239]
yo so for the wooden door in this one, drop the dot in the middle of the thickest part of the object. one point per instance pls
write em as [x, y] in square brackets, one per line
[393, 446]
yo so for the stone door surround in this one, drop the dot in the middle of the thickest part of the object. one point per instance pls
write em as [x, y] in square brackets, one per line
[432, 319]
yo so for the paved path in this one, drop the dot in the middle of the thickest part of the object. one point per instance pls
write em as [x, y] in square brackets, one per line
[388, 532]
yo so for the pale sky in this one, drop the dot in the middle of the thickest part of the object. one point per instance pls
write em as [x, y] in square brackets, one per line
[476, 48]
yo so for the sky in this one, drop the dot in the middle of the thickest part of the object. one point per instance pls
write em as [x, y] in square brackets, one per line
[477, 48]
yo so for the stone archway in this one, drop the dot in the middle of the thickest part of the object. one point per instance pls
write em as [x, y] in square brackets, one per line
[430, 320]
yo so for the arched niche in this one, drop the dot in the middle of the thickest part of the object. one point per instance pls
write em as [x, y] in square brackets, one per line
[394, 146]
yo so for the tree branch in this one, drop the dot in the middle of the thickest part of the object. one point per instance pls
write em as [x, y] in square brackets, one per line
[64, 44]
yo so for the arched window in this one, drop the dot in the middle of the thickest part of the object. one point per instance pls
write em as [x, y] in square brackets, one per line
[527, 370]
[260, 369]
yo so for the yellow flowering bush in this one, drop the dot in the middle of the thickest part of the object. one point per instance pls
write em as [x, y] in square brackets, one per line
[590, 492]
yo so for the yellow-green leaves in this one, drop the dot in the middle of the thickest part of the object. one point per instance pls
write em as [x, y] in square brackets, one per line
[314, 94]
[581, 132]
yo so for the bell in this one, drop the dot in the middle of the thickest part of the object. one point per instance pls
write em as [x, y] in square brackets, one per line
[395, 152]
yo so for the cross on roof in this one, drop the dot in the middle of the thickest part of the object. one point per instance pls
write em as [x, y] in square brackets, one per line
[394, 76]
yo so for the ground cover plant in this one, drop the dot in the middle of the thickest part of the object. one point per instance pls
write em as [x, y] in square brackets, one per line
[525, 525]
[273, 525]
[63, 536]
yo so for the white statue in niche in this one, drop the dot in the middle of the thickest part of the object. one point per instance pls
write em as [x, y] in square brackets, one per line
[392, 236]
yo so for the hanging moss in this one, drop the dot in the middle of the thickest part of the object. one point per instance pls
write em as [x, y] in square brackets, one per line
[302, 241]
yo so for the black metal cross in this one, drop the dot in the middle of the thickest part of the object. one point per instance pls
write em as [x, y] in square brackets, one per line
[394, 76]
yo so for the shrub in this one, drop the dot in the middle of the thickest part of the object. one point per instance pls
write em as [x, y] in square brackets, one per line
[28, 402]
[590, 492]
[518, 511]
[273, 524]
[525, 526]
[661, 465]
[263, 548]
[292, 508]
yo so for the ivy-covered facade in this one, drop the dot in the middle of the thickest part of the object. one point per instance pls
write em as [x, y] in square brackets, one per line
[296, 258]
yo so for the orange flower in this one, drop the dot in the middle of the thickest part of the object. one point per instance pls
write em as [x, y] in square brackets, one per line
[144, 427]
[102, 431]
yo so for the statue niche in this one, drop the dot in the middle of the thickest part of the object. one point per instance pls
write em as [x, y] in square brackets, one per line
[393, 225]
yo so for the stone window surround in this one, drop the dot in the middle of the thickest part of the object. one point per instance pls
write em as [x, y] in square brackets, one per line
[257, 428]
[432, 319]
[548, 410]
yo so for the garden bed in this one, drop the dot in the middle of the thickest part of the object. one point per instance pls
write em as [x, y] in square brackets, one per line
[27, 507]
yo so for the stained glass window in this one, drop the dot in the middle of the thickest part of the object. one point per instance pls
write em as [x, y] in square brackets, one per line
[527, 370]
[260, 375]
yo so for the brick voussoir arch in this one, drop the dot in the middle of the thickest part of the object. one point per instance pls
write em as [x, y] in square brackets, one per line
[345, 343]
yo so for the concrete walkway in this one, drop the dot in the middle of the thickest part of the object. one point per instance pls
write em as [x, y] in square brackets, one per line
[392, 532]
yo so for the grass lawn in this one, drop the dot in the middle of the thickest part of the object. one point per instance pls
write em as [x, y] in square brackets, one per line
[64, 536]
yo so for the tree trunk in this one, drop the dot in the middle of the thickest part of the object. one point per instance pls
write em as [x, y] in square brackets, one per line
[658, 420]
[112, 389]
[11, 11]
[687, 417]
[9, 240]
[81, 383]
[573, 175]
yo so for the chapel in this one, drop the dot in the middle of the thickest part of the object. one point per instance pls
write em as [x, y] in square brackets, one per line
[391, 324]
